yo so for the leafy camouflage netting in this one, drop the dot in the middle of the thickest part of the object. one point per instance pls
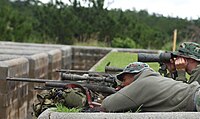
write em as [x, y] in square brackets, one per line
[71, 97]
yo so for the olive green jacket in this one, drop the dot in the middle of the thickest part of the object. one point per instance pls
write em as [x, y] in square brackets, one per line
[154, 92]
[195, 75]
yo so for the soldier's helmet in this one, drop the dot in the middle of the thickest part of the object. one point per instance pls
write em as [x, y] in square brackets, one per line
[189, 50]
[132, 68]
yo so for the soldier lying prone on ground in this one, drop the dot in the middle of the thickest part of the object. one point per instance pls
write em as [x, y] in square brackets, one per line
[143, 87]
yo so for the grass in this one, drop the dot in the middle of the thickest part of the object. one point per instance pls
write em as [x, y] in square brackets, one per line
[62, 108]
[121, 59]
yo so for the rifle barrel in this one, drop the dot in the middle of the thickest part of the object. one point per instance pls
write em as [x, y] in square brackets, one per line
[37, 80]
[28, 80]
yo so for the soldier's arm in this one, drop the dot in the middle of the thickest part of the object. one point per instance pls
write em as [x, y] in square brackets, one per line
[118, 102]
[181, 76]
[195, 76]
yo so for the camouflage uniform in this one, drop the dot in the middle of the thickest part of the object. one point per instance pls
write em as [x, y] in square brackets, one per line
[152, 92]
[189, 50]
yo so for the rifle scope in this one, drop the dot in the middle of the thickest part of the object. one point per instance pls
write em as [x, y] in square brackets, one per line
[162, 57]
[74, 77]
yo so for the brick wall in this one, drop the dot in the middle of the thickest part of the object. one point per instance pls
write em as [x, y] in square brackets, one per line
[14, 95]
[84, 58]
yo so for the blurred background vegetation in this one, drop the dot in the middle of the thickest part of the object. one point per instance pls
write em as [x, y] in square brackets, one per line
[73, 24]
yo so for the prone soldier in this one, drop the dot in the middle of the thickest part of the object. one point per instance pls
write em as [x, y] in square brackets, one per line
[142, 87]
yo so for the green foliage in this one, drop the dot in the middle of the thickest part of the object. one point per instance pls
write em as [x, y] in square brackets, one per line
[167, 46]
[139, 109]
[123, 43]
[62, 108]
[70, 23]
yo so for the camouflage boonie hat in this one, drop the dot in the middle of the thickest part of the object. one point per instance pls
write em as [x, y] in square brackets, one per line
[133, 68]
[189, 50]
